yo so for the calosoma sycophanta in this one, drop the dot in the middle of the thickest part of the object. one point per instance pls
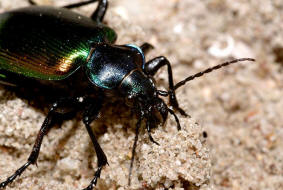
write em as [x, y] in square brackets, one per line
[75, 56]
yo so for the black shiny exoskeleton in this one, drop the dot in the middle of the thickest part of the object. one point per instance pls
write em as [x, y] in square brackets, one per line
[76, 56]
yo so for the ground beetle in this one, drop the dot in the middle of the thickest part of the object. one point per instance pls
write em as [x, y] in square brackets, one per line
[75, 55]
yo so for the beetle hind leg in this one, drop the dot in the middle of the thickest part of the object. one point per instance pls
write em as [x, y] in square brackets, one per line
[15, 175]
[59, 107]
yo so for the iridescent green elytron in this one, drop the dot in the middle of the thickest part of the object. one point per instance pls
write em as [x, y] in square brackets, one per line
[47, 44]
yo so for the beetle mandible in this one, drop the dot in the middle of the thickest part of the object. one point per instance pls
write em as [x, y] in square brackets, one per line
[59, 49]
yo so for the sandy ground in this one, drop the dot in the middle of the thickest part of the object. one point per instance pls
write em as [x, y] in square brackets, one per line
[240, 107]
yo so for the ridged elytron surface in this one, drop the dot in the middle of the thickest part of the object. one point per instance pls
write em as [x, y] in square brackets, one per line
[47, 43]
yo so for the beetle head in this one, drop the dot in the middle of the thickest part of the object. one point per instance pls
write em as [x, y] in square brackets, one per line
[153, 110]
[147, 104]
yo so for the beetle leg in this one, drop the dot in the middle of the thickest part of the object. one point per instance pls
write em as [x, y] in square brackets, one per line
[149, 132]
[176, 119]
[146, 47]
[138, 125]
[152, 66]
[79, 4]
[90, 114]
[75, 5]
[59, 107]
[100, 11]
[31, 2]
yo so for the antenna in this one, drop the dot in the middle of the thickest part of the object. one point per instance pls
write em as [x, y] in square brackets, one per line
[192, 77]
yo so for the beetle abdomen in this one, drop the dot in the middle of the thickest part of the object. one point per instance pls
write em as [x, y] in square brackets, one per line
[47, 43]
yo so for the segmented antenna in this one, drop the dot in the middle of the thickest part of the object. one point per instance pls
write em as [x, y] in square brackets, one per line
[192, 77]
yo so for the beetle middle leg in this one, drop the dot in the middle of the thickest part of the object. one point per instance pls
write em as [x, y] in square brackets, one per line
[152, 66]
[31, 2]
[99, 12]
[91, 112]
[97, 15]
[62, 106]
[75, 5]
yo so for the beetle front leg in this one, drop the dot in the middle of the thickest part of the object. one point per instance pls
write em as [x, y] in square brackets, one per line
[152, 66]
[149, 132]
[138, 125]
[90, 114]
[56, 109]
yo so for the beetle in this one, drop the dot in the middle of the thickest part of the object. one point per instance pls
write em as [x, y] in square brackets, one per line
[75, 56]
